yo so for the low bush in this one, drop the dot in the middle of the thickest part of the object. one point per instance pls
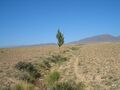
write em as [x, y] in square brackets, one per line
[5, 88]
[29, 71]
[80, 86]
[25, 66]
[68, 86]
[65, 51]
[45, 64]
[52, 78]
[18, 87]
[57, 58]
[74, 48]
[26, 77]
[23, 86]
[63, 86]
[2, 51]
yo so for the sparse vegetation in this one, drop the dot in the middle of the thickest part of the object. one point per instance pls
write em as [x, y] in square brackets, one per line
[80, 86]
[29, 71]
[2, 51]
[45, 64]
[97, 65]
[57, 58]
[74, 48]
[63, 86]
[68, 86]
[5, 88]
[25, 76]
[23, 86]
[52, 78]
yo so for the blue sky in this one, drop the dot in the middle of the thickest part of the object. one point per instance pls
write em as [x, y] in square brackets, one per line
[24, 22]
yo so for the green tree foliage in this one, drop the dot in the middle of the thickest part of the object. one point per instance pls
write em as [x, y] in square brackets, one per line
[60, 38]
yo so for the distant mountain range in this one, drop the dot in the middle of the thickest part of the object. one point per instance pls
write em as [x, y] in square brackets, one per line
[94, 39]
[98, 38]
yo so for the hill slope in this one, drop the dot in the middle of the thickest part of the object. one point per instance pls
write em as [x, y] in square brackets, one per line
[98, 38]
[97, 65]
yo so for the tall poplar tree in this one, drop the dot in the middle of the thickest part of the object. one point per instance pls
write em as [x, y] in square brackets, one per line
[60, 38]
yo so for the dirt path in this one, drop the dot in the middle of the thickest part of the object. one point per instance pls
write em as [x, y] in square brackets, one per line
[72, 66]
[75, 64]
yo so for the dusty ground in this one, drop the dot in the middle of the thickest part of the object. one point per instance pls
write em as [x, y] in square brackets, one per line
[96, 65]
[10, 56]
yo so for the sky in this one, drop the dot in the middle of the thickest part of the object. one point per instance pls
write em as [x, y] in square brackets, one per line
[26, 22]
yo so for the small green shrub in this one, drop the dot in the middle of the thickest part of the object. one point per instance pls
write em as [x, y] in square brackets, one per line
[65, 51]
[68, 86]
[5, 88]
[97, 87]
[45, 64]
[19, 87]
[57, 58]
[80, 86]
[23, 86]
[29, 72]
[27, 66]
[26, 77]
[20, 65]
[63, 86]
[2, 51]
[52, 77]
[74, 48]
